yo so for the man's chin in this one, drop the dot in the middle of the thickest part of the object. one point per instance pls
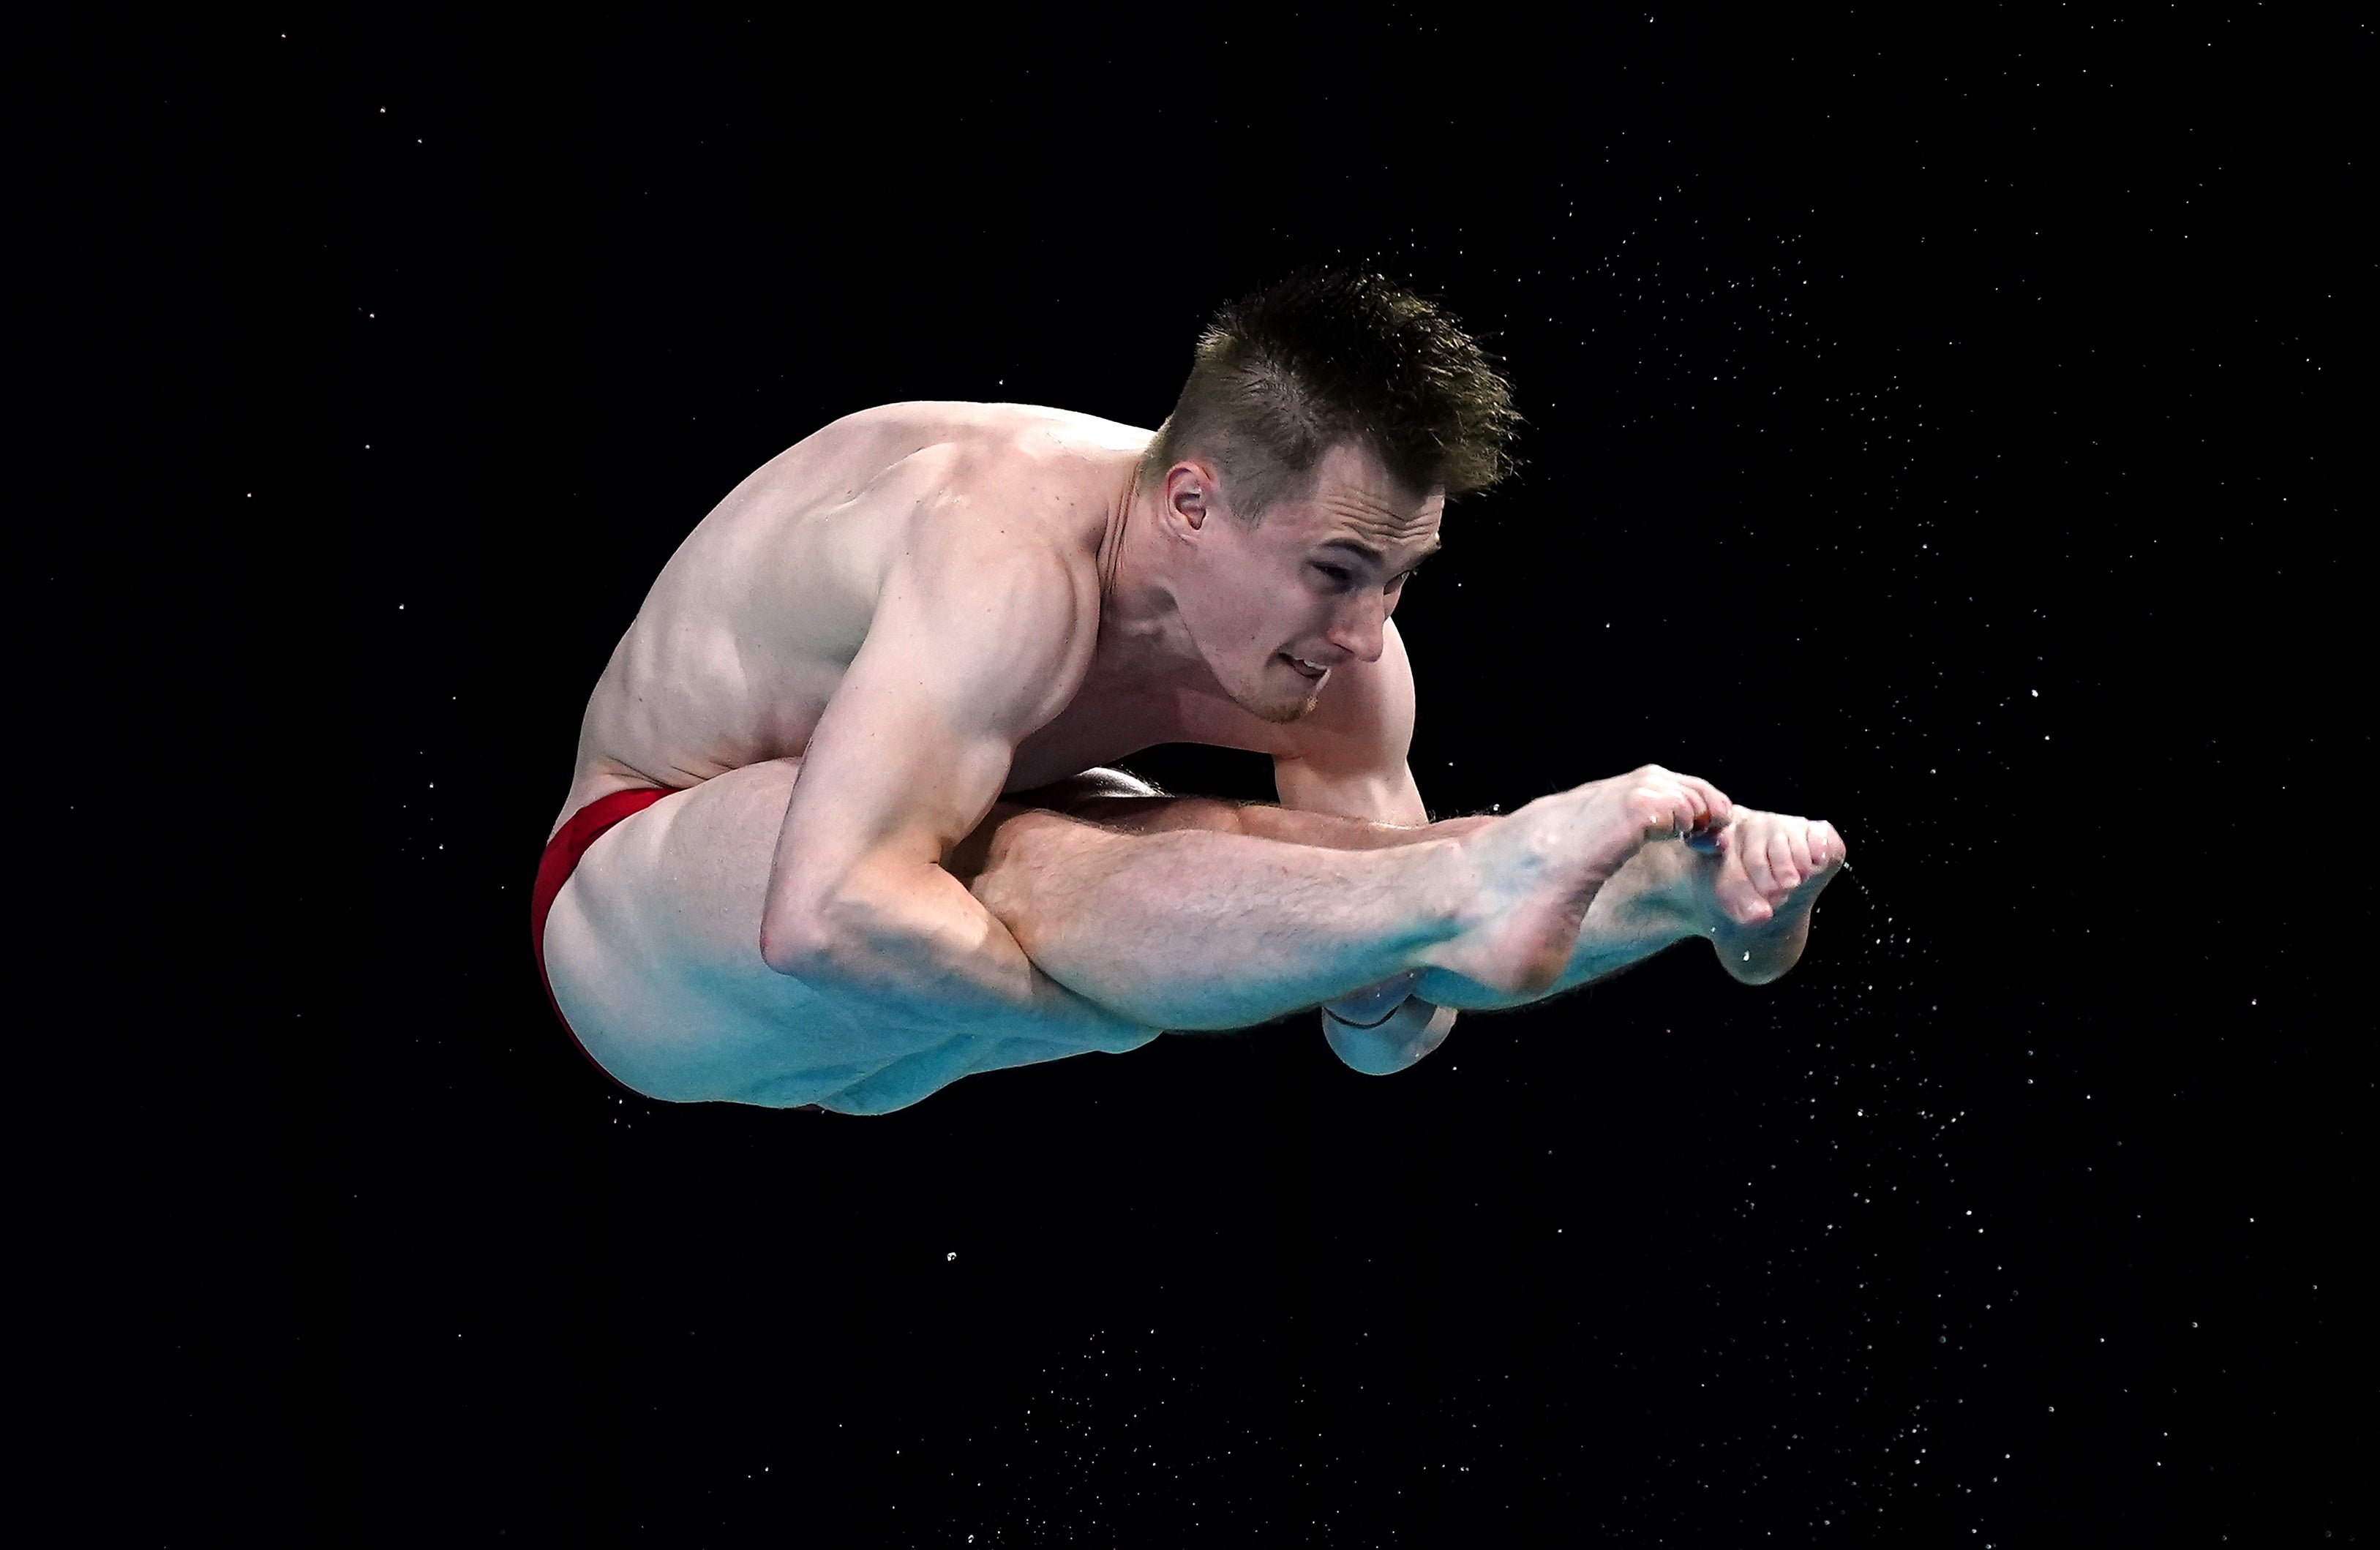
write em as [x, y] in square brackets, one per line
[1283, 712]
[1269, 698]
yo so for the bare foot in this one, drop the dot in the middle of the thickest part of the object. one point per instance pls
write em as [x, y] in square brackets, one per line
[1751, 891]
[1534, 873]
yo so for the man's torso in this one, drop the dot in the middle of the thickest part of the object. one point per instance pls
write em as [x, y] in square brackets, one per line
[747, 630]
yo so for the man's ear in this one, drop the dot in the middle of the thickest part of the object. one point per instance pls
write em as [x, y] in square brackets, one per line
[1190, 493]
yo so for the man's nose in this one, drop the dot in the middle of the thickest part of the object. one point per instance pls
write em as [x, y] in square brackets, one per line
[1359, 627]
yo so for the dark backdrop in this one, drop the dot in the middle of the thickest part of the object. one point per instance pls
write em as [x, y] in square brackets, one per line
[1946, 431]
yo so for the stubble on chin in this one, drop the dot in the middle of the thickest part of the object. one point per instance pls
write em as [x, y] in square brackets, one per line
[1261, 699]
[1283, 712]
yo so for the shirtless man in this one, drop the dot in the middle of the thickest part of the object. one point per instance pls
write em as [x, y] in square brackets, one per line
[841, 829]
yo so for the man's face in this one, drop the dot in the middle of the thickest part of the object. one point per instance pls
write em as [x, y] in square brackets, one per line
[1279, 605]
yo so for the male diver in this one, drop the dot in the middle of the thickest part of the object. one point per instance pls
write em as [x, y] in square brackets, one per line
[842, 832]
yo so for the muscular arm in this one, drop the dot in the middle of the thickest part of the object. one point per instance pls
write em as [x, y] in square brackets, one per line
[978, 638]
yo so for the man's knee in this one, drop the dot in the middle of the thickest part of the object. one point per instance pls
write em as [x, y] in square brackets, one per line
[1124, 803]
[1072, 793]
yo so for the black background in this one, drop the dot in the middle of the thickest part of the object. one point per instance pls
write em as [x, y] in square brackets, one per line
[1943, 431]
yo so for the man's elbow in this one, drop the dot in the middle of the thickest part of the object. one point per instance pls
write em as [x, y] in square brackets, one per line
[813, 939]
[791, 945]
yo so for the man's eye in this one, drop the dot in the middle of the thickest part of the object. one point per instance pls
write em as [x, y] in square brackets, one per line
[1334, 573]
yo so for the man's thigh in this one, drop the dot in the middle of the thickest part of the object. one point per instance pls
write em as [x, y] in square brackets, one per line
[653, 952]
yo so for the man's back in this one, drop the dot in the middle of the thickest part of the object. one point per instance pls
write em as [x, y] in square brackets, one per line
[750, 626]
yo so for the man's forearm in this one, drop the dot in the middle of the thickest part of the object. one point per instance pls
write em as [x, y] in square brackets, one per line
[920, 943]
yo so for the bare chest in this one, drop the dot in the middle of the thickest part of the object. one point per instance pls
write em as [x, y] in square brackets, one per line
[1108, 722]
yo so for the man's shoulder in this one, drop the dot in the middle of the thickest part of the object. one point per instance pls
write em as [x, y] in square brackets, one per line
[1002, 521]
[1017, 480]
[1026, 458]
[988, 433]
[1022, 459]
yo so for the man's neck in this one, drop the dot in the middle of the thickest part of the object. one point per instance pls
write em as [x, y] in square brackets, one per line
[1142, 639]
[1121, 518]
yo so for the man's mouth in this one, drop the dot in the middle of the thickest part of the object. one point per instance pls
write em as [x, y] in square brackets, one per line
[1310, 670]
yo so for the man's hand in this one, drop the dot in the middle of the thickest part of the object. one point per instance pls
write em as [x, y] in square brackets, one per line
[1749, 887]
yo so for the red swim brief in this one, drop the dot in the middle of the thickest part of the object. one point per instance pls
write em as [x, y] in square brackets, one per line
[553, 868]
